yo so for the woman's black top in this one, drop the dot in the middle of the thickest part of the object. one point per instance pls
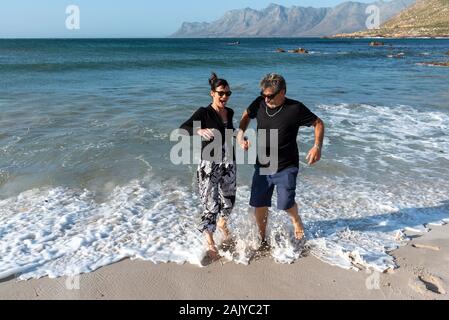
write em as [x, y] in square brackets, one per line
[209, 119]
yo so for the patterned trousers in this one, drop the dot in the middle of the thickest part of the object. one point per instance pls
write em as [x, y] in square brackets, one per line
[217, 187]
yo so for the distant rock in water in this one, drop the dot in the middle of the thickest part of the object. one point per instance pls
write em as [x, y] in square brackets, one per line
[436, 64]
[280, 21]
[299, 51]
[376, 44]
[280, 50]
[447, 53]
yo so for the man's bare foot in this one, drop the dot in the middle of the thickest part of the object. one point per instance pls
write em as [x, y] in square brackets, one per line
[299, 231]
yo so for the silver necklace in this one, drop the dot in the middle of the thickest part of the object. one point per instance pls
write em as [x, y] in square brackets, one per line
[275, 114]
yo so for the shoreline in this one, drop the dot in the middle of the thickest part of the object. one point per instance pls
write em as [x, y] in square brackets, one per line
[422, 273]
[390, 37]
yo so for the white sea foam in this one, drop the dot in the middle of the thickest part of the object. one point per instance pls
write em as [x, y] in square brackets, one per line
[402, 132]
[45, 232]
[53, 232]
[375, 181]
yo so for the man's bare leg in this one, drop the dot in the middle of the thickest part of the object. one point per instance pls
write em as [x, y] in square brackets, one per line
[297, 223]
[262, 219]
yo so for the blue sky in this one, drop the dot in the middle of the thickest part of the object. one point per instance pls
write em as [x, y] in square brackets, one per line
[120, 18]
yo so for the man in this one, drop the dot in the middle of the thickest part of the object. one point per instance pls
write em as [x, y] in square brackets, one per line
[274, 111]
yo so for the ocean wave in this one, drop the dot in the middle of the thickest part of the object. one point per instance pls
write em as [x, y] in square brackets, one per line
[399, 132]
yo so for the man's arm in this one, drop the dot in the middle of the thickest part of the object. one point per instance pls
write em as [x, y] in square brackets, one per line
[314, 154]
[244, 123]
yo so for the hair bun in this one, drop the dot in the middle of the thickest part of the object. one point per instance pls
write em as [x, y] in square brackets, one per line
[213, 78]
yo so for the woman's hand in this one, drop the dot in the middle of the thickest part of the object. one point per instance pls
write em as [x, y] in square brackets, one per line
[207, 134]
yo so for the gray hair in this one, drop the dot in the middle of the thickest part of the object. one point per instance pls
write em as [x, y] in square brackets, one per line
[274, 81]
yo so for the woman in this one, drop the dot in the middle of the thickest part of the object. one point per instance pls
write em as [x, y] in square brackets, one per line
[216, 177]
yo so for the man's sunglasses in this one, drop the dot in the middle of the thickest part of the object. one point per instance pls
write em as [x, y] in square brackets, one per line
[269, 96]
[224, 93]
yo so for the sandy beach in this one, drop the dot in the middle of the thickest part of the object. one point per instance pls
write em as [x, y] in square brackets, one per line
[423, 273]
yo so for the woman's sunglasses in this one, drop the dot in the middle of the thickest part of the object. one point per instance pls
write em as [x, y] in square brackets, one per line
[224, 93]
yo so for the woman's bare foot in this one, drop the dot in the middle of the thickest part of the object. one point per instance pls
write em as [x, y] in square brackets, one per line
[213, 253]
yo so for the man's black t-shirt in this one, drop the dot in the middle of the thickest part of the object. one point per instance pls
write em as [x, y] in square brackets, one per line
[286, 119]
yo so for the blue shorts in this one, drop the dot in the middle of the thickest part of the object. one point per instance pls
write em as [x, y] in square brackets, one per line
[263, 187]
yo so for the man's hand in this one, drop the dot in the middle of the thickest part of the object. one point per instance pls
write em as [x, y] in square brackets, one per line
[314, 155]
[243, 141]
[207, 134]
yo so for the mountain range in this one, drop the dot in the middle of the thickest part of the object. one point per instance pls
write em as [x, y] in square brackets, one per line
[280, 21]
